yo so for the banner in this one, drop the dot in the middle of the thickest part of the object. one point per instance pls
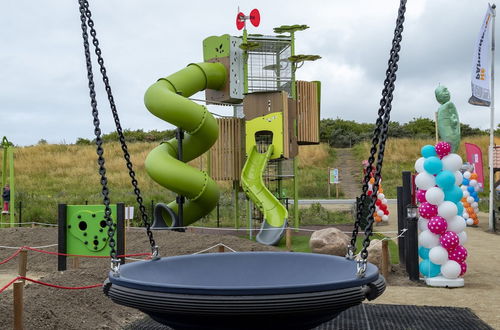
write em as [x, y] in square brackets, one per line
[475, 157]
[481, 64]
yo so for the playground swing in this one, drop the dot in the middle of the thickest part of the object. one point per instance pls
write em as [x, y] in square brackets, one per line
[248, 290]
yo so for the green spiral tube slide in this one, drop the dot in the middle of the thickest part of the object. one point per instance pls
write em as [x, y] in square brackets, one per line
[167, 99]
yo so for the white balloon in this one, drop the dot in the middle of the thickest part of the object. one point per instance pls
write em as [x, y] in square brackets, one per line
[451, 269]
[470, 199]
[438, 255]
[457, 224]
[419, 165]
[425, 181]
[428, 239]
[384, 201]
[422, 224]
[385, 218]
[476, 188]
[447, 210]
[467, 174]
[452, 162]
[462, 237]
[434, 195]
[381, 196]
[474, 205]
[458, 178]
[465, 192]
[473, 183]
[470, 222]
[463, 187]
[380, 213]
[465, 215]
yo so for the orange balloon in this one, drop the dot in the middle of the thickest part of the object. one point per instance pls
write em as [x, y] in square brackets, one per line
[473, 176]
[372, 180]
[466, 205]
[476, 221]
[378, 219]
[381, 191]
[464, 200]
[470, 210]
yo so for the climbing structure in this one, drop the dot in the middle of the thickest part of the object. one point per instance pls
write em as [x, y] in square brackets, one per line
[8, 178]
[273, 114]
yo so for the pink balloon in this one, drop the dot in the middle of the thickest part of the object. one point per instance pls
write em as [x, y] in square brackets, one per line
[427, 210]
[463, 266]
[443, 149]
[437, 225]
[449, 240]
[459, 254]
[421, 196]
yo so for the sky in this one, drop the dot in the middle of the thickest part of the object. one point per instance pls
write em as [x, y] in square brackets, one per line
[43, 86]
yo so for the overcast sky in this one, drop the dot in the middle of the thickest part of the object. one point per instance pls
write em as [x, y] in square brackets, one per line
[43, 87]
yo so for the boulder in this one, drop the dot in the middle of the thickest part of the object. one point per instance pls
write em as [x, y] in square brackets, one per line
[329, 241]
[375, 252]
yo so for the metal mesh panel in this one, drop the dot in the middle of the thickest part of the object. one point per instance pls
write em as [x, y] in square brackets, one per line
[268, 66]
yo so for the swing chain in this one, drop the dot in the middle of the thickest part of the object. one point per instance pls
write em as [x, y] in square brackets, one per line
[87, 22]
[379, 139]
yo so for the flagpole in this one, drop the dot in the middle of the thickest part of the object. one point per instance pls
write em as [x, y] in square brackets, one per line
[492, 121]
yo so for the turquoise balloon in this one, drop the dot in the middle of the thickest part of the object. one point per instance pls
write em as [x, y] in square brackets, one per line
[433, 165]
[460, 208]
[428, 269]
[428, 151]
[423, 252]
[445, 180]
[454, 195]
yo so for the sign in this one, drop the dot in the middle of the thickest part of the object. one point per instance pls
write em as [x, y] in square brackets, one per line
[481, 64]
[129, 213]
[475, 157]
[334, 176]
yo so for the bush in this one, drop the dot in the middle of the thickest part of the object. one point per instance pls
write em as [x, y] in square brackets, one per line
[318, 215]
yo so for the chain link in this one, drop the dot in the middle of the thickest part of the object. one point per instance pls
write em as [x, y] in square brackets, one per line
[378, 141]
[88, 23]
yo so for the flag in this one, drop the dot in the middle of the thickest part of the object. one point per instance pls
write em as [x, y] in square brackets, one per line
[475, 157]
[481, 64]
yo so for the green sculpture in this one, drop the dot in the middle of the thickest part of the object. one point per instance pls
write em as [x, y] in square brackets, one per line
[448, 122]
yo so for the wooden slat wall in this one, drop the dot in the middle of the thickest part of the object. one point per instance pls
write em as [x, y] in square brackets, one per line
[307, 113]
[226, 155]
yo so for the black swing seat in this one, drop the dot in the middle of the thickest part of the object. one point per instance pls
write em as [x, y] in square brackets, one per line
[244, 290]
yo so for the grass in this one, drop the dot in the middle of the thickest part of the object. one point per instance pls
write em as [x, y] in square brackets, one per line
[50, 174]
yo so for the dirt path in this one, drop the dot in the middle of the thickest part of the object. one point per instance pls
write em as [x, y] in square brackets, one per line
[349, 172]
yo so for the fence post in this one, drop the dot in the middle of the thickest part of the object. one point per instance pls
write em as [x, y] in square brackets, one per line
[18, 305]
[385, 258]
[23, 263]
[288, 238]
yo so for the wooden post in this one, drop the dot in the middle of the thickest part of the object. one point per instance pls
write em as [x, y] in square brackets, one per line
[337, 190]
[221, 248]
[76, 262]
[288, 238]
[18, 305]
[23, 263]
[328, 178]
[32, 225]
[386, 263]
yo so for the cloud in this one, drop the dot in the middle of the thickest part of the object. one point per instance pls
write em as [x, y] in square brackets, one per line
[43, 90]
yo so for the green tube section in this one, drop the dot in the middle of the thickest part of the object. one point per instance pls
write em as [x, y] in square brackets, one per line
[167, 100]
